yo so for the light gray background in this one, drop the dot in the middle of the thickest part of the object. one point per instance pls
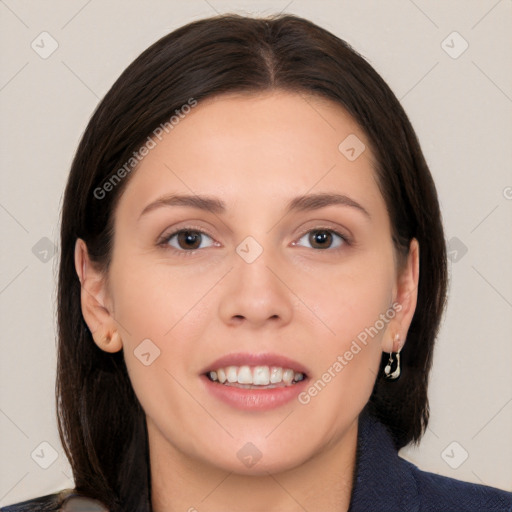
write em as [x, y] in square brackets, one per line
[460, 108]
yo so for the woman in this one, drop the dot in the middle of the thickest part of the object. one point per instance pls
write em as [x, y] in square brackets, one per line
[252, 277]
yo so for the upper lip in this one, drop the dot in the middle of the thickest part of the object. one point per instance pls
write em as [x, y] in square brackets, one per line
[251, 359]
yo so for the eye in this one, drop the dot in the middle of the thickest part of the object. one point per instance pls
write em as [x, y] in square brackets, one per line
[187, 240]
[322, 239]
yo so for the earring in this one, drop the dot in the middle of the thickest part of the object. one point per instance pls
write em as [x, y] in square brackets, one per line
[393, 375]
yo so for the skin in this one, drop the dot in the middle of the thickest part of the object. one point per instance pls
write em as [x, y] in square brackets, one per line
[255, 153]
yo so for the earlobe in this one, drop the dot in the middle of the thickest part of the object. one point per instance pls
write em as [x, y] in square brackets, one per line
[108, 341]
[93, 295]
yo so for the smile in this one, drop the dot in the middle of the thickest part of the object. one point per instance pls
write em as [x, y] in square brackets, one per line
[255, 381]
[247, 377]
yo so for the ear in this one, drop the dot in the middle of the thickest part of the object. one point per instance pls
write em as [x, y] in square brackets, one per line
[96, 304]
[405, 302]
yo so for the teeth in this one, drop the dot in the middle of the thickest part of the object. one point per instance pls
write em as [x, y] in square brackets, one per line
[288, 376]
[244, 375]
[261, 376]
[276, 375]
[221, 375]
[231, 374]
[256, 376]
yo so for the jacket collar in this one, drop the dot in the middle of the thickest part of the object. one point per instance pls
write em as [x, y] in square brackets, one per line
[383, 481]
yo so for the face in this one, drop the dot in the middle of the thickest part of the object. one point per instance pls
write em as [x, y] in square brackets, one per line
[249, 243]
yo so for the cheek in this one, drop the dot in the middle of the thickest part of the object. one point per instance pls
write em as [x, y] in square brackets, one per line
[163, 312]
[351, 304]
[348, 359]
[349, 297]
[152, 300]
[161, 315]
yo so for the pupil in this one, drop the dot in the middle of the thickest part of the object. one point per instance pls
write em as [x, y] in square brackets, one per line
[320, 238]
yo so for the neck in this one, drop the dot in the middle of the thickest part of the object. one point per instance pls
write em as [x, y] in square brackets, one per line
[181, 483]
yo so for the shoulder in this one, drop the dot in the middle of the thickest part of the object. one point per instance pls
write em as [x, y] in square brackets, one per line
[395, 484]
[437, 492]
[64, 501]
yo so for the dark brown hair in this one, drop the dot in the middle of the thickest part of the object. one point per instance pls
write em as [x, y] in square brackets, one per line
[101, 423]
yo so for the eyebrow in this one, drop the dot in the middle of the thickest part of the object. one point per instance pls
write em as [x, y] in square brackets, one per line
[213, 205]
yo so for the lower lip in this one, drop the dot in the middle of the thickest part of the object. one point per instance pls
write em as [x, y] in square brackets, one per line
[254, 399]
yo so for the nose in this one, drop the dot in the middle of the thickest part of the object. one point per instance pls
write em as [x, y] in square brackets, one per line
[256, 294]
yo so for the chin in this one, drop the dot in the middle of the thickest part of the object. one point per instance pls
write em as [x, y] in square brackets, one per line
[258, 459]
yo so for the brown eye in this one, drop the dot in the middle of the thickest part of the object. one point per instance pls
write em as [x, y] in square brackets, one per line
[320, 239]
[323, 239]
[187, 240]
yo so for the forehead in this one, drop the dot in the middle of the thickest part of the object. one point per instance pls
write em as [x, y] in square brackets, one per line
[268, 145]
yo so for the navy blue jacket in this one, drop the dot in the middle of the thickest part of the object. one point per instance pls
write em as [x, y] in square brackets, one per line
[384, 483]
[387, 483]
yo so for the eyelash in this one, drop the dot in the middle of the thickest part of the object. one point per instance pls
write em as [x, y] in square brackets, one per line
[164, 241]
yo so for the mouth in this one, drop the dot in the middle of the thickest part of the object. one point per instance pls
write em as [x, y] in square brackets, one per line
[255, 381]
